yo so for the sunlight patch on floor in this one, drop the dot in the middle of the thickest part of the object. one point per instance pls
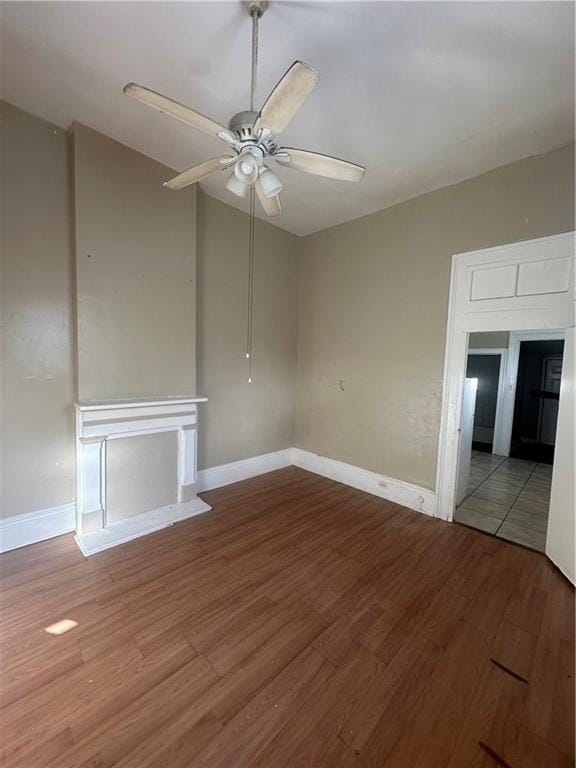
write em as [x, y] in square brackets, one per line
[61, 627]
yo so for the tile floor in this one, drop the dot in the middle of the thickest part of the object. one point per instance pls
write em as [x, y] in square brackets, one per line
[509, 498]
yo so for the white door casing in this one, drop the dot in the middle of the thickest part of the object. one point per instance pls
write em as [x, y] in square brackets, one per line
[466, 435]
[523, 286]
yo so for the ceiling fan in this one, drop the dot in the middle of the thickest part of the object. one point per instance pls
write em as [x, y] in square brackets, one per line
[253, 136]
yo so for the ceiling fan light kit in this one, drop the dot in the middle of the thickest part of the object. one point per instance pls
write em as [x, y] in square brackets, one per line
[237, 187]
[271, 184]
[253, 135]
[247, 167]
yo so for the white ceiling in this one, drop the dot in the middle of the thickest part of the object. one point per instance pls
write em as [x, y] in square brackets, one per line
[423, 94]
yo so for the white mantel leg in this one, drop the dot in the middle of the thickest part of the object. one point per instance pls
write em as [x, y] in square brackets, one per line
[187, 463]
[92, 476]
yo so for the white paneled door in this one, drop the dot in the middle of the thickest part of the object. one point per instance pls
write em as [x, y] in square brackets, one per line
[560, 539]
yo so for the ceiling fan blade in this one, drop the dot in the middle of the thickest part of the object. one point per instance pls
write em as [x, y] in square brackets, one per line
[199, 172]
[271, 205]
[179, 111]
[318, 164]
[287, 97]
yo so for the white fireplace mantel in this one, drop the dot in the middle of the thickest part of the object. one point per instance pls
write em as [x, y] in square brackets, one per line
[99, 422]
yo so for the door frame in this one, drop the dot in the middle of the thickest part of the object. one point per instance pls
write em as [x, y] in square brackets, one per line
[542, 407]
[497, 442]
[497, 289]
[515, 340]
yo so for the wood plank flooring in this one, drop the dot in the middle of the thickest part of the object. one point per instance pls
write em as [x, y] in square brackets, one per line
[301, 623]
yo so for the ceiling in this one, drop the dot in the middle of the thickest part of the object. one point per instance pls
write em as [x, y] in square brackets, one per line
[423, 94]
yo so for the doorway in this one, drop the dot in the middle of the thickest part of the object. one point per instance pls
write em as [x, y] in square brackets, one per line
[509, 496]
[486, 370]
[487, 361]
[536, 401]
[515, 287]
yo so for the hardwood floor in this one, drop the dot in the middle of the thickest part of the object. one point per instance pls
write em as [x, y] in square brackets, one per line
[301, 623]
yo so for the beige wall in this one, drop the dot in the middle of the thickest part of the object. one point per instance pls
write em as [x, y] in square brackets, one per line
[372, 298]
[373, 309]
[136, 274]
[241, 419]
[37, 437]
[138, 308]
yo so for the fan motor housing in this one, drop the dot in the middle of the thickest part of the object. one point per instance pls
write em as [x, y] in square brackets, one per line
[242, 126]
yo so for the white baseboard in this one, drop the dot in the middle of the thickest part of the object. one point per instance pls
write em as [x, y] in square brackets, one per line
[139, 525]
[408, 495]
[21, 530]
[225, 474]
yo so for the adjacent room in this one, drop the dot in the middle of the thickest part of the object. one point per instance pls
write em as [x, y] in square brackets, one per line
[287, 439]
[508, 434]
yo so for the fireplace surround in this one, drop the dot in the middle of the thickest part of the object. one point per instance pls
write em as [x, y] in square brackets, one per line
[99, 422]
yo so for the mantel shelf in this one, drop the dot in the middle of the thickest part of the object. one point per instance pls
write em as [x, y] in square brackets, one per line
[138, 402]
